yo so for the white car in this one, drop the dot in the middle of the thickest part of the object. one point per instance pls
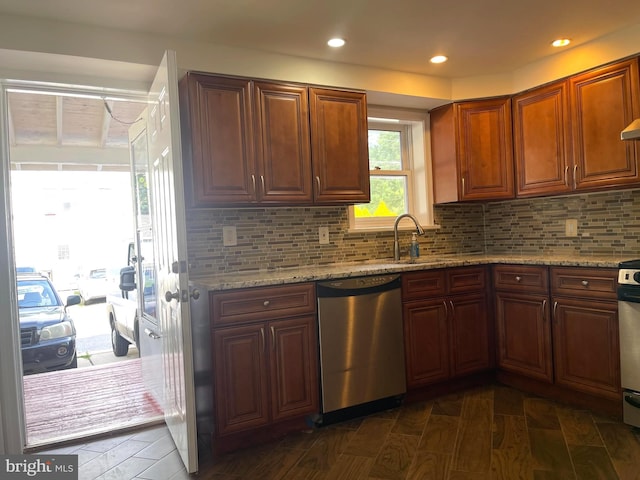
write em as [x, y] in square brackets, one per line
[124, 290]
[93, 285]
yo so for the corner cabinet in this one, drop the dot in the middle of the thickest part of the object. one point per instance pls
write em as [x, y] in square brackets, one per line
[250, 142]
[471, 149]
[265, 353]
[446, 325]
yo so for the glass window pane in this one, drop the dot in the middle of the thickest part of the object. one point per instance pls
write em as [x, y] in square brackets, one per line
[385, 151]
[388, 198]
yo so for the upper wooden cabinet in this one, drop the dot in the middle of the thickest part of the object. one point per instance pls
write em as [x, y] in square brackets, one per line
[542, 141]
[250, 142]
[603, 102]
[217, 138]
[339, 146]
[283, 155]
[471, 149]
[567, 134]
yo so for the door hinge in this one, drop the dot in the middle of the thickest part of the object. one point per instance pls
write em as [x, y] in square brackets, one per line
[179, 267]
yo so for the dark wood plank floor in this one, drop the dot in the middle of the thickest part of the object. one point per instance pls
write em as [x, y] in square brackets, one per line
[487, 433]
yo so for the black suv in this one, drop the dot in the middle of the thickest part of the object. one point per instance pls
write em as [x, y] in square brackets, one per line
[47, 332]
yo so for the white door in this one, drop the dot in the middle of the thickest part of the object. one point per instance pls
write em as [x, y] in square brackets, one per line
[166, 201]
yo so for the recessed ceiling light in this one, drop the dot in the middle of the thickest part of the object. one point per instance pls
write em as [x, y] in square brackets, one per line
[561, 42]
[336, 42]
[438, 59]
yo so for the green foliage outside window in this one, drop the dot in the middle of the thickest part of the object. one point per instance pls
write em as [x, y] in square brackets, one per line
[388, 193]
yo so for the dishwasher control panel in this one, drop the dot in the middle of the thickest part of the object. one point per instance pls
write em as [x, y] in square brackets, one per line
[359, 282]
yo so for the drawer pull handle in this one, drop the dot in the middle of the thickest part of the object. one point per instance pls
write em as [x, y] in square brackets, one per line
[266, 303]
[518, 278]
[585, 283]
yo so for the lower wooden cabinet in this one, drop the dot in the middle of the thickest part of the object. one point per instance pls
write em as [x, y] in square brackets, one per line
[241, 378]
[524, 336]
[445, 336]
[426, 342]
[264, 371]
[566, 335]
[586, 346]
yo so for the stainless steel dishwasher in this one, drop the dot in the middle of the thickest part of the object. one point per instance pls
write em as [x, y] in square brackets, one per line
[361, 345]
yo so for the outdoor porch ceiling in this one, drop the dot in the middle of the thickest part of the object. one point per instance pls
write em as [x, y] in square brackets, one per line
[62, 132]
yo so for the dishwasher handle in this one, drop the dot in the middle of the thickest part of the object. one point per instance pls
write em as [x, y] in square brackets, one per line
[354, 287]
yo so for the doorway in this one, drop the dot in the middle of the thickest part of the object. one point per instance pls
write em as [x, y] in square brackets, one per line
[72, 210]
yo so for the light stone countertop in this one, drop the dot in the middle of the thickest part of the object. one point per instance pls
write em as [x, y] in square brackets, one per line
[258, 278]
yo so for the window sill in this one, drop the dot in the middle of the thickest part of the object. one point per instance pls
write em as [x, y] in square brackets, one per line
[389, 229]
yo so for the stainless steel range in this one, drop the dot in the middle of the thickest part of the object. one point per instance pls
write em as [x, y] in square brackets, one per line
[629, 319]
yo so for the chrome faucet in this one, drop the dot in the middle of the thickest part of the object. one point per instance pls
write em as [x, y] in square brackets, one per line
[396, 245]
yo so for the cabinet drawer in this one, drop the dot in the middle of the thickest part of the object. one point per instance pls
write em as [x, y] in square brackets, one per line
[419, 285]
[521, 278]
[257, 304]
[463, 280]
[585, 282]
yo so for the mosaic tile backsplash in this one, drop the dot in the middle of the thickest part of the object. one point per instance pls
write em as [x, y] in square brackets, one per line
[270, 238]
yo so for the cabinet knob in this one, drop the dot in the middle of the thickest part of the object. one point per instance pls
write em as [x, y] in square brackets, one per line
[266, 303]
[585, 283]
[518, 278]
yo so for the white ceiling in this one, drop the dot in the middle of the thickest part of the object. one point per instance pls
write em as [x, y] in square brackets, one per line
[480, 37]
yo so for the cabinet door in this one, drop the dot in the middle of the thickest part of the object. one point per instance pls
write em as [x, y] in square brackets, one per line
[524, 334]
[426, 342]
[604, 102]
[222, 166]
[542, 146]
[241, 378]
[485, 156]
[283, 150]
[586, 346]
[339, 146]
[293, 367]
[470, 343]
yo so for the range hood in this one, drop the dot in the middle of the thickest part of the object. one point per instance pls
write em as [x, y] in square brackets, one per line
[632, 132]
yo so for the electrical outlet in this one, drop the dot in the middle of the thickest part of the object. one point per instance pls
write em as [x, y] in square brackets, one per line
[323, 234]
[229, 236]
[571, 227]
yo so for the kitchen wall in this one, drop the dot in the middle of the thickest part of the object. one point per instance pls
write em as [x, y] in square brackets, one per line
[608, 224]
[287, 237]
[269, 238]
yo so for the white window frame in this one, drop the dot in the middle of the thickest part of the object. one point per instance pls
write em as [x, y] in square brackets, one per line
[418, 163]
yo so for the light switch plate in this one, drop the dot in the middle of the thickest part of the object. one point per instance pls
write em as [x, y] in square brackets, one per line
[229, 236]
[323, 234]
